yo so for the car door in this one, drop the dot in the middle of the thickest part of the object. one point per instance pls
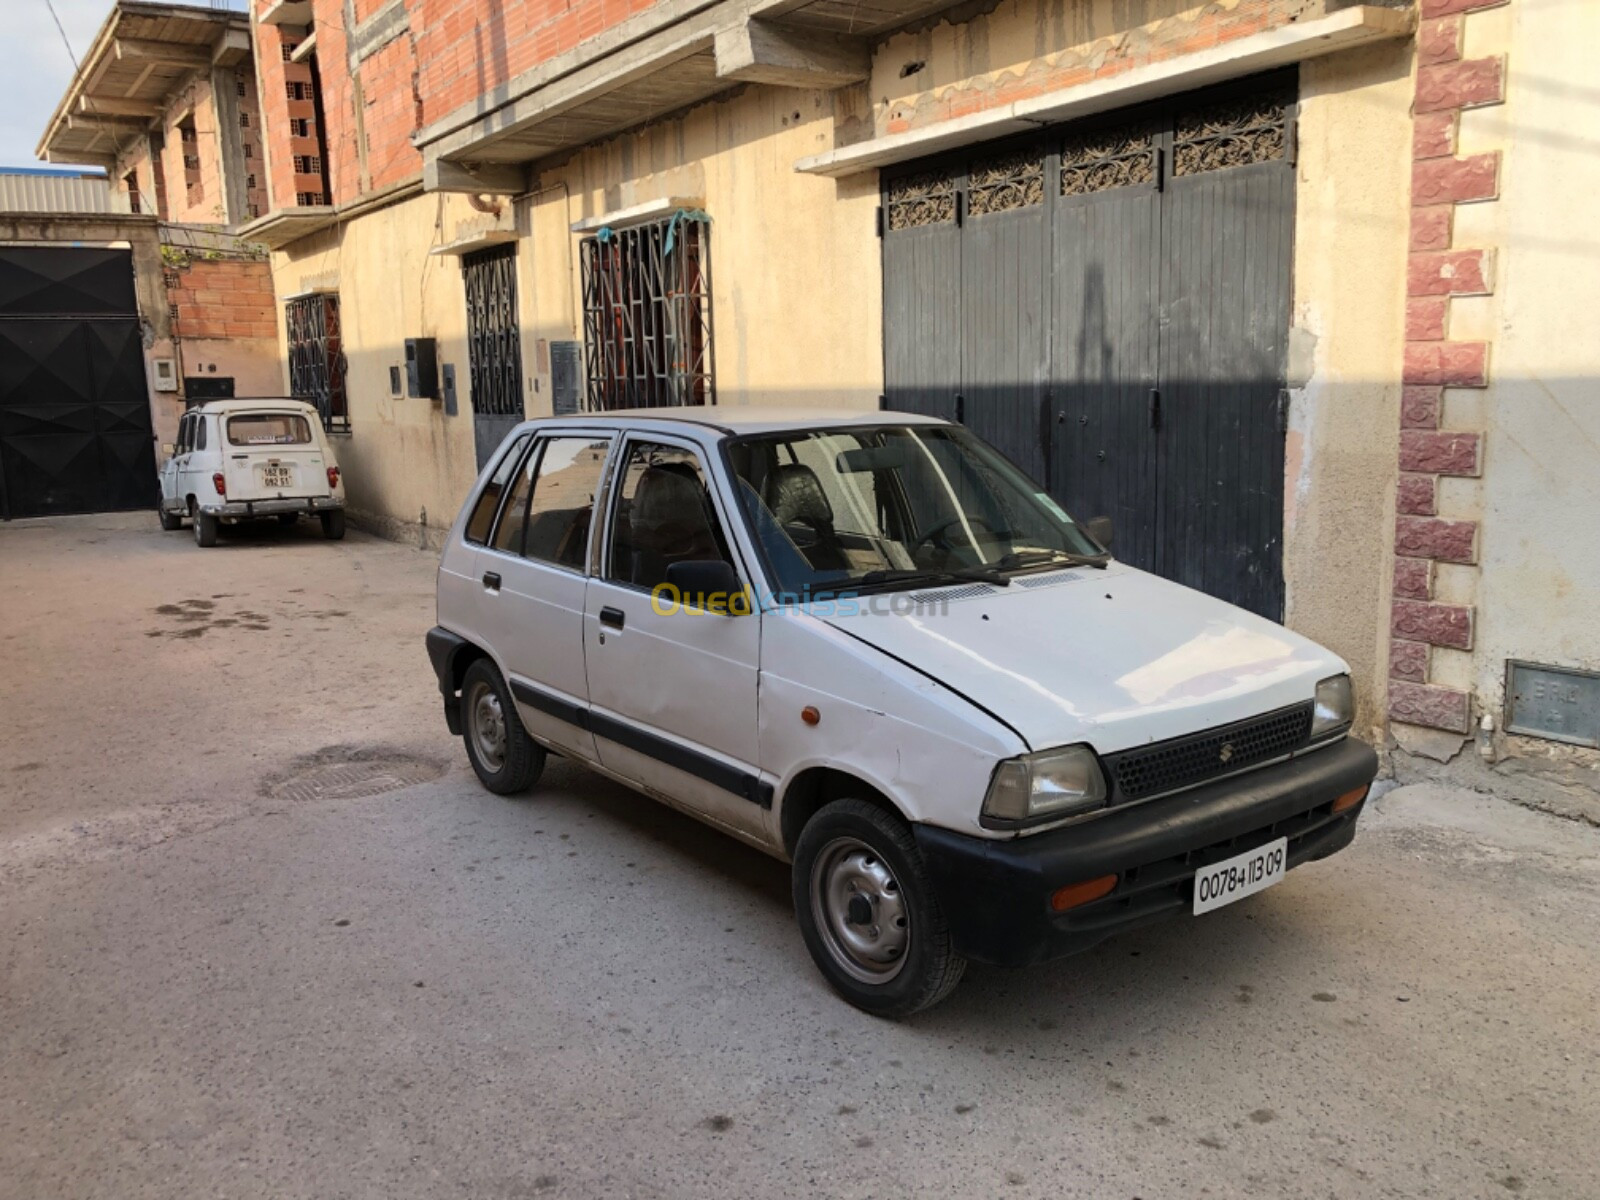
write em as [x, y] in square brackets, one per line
[171, 496]
[672, 690]
[532, 574]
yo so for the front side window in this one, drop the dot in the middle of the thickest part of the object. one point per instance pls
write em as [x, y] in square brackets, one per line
[489, 499]
[888, 506]
[269, 429]
[647, 314]
[663, 515]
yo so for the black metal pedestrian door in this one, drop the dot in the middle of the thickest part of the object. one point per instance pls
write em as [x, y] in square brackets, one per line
[1109, 304]
[494, 346]
[75, 433]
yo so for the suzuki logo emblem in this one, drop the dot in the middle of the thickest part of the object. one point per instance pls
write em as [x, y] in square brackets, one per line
[1226, 752]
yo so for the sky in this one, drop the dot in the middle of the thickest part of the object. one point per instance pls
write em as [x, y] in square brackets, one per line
[36, 69]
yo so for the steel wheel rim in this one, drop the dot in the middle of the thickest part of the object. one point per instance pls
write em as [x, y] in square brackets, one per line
[859, 908]
[488, 725]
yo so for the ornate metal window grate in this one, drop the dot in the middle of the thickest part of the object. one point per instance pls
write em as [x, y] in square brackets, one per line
[494, 345]
[1009, 182]
[316, 356]
[928, 198]
[1102, 159]
[1234, 133]
[647, 315]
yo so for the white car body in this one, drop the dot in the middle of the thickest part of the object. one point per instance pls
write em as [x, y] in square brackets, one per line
[713, 713]
[271, 456]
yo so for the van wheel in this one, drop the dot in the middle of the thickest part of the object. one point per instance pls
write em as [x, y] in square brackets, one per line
[333, 524]
[205, 528]
[170, 521]
[868, 913]
[505, 758]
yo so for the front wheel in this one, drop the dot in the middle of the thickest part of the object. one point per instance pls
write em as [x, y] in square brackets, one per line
[170, 521]
[502, 754]
[868, 913]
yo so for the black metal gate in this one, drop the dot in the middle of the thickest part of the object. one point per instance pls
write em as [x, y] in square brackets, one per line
[1109, 304]
[316, 356]
[494, 346]
[75, 433]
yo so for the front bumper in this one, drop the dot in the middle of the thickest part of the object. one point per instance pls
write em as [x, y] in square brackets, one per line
[245, 509]
[996, 893]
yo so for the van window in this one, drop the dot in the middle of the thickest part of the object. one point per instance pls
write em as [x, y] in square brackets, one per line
[664, 515]
[267, 429]
[489, 499]
[200, 433]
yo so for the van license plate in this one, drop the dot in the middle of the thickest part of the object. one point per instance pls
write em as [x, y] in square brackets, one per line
[275, 476]
[1240, 876]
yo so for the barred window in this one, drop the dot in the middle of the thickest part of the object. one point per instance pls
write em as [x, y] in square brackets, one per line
[244, 120]
[307, 164]
[298, 90]
[300, 126]
[309, 199]
[249, 150]
[316, 356]
[288, 50]
[647, 314]
[239, 81]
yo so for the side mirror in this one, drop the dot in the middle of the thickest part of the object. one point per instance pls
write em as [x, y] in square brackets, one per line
[710, 584]
[1099, 528]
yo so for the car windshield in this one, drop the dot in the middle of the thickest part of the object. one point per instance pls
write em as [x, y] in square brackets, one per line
[888, 506]
[269, 429]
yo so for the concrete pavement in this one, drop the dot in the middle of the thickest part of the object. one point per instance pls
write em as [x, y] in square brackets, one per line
[227, 971]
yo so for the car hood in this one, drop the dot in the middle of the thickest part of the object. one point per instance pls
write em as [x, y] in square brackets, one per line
[1116, 658]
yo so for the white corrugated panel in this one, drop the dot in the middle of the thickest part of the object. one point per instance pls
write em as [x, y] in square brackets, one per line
[59, 193]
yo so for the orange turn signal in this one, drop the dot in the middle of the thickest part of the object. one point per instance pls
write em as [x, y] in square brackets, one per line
[1075, 894]
[1350, 799]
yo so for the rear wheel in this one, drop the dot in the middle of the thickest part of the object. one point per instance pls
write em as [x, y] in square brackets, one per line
[205, 528]
[868, 913]
[502, 754]
[333, 524]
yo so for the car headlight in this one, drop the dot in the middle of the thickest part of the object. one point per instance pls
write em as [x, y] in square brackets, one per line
[1335, 707]
[1045, 786]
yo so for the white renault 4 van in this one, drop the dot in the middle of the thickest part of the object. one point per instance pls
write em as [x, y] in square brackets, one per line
[869, 645]
[245, 460]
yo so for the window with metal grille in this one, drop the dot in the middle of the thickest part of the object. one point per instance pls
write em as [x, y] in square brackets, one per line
[300, 126]
[238, 80]
[249, 150]
[647, 314]
[307, 164]
[494, 345]
[297, 90]
[244, 120]
[288, 50]
[309, 199]
[316, 356]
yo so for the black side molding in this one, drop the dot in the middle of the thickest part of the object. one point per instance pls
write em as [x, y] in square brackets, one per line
[741, 783]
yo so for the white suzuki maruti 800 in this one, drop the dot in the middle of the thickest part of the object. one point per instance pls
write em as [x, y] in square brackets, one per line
[869, 644]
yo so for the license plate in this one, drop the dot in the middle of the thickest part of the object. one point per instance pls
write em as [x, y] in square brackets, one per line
[275, 476]
[1240, 876]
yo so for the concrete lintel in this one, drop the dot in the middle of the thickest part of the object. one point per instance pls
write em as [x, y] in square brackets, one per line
[231, 49]
[304, 48]
[482, 240]
[637, 214]
[479, 179]
[1342, 30]
[759, 52]
[287, 12]
[140, 50]
[94, 119]
[112, 106]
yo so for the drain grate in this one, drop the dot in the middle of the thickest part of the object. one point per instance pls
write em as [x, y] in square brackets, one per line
[350, 780]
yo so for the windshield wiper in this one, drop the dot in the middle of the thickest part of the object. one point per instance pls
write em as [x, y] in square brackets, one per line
[1018, 559]
[953, 575]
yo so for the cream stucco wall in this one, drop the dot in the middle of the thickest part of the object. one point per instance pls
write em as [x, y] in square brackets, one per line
[405, 462]
[1351, 228]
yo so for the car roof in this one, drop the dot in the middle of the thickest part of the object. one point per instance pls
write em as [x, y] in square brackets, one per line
[745, 419]
[251, 403]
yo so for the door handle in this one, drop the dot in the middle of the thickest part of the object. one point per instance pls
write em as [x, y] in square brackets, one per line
[491, 580]
[614, 617]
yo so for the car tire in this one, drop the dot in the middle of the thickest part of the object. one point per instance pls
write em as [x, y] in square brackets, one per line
[333, 524]
[170, 521]
[205, 528]
[867, 911]
[505, 759]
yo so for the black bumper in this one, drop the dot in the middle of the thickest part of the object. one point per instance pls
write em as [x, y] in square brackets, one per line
[443, 646]
[996, 894]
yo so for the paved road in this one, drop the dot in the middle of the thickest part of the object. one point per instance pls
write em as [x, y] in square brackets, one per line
[223, 972]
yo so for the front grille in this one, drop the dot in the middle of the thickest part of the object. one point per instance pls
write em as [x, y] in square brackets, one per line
[1194, 758]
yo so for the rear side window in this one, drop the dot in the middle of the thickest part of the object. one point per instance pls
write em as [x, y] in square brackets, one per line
[267, 429]
[563, 500]
[489, 499]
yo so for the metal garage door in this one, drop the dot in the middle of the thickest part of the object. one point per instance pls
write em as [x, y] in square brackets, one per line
[1109, 304]
[75, 430]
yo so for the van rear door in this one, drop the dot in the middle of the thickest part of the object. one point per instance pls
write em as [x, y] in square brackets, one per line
[272, 453]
